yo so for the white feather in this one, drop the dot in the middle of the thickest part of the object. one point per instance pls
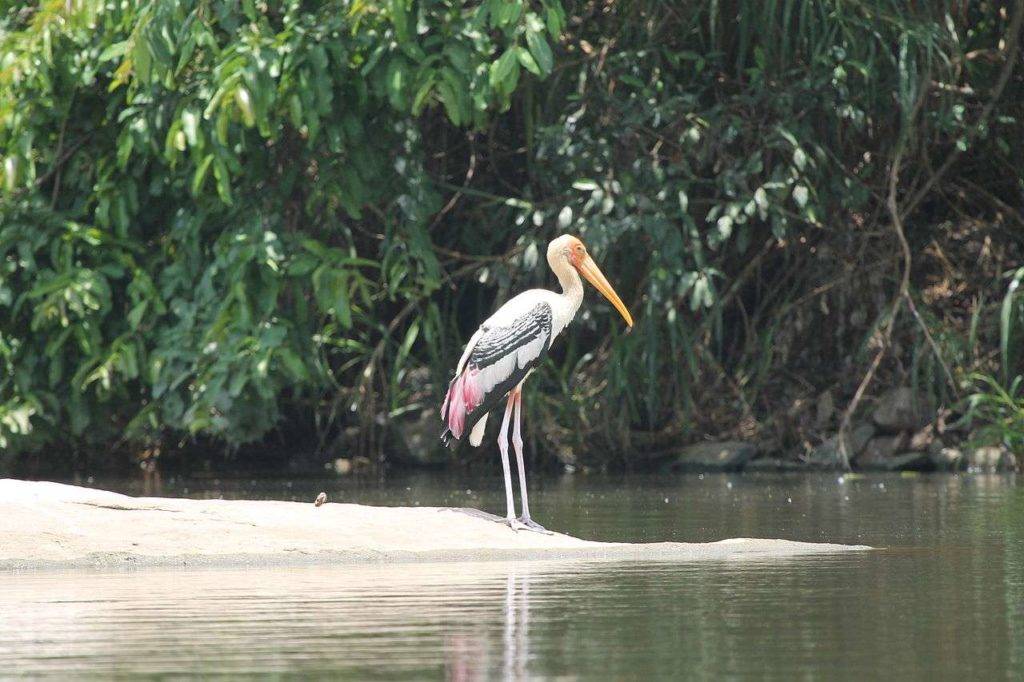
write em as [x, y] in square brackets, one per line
[476, 436]
[469, 350]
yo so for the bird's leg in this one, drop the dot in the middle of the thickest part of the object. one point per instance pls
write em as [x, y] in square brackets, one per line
[510, 505]
[517, 442]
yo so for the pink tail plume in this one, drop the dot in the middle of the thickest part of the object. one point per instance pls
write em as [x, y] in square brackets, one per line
[464, 395]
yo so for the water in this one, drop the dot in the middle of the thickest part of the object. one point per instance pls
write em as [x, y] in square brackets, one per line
[944, 598]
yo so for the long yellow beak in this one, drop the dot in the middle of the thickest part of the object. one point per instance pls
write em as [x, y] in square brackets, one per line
[588, 268]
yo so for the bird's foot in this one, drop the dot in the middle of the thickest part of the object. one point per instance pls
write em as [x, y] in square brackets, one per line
[526, 523]
[516, 525]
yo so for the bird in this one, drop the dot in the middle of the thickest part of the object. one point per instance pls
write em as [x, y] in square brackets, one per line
[506, 349]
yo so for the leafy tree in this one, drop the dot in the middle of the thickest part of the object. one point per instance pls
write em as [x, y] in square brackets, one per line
[218, 218]
[207, 204]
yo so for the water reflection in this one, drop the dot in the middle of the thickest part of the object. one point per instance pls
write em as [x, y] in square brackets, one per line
[468, 651]
[468, 620]
[517, 623]
[945, 598]
[463, 621]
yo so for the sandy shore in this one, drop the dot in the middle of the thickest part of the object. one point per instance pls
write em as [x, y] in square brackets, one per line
[50, 525]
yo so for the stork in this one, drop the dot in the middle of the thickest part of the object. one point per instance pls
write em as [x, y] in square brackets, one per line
[506, 349]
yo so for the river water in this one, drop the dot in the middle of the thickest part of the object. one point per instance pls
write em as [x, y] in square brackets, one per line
[943, 597]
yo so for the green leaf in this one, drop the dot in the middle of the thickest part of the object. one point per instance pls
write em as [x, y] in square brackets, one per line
[800, 195]
[459, 98]
[220, 172]
[541, 51]
[301, 266]
[293, 363]
[761, 202]
[1006, 320]
[450, 100]
[503, 68]
[420, 99]
[238, 382]
[190, 124]
[527, 60]
[698, 292]
[509, 12]
[244, 103]
[200, 175]
[799, 158]
[410, 338]
[396, 83]
[724, 228]
[554, 20]
[341, 305]
[399, 19]
[114, 51]
[136, 314]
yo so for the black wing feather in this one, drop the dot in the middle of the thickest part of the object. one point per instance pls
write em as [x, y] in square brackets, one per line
[497, 343]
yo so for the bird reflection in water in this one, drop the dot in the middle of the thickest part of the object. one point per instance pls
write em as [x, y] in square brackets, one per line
[467, 653]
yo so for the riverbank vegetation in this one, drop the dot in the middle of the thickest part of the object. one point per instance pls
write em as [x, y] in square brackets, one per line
[270, 227]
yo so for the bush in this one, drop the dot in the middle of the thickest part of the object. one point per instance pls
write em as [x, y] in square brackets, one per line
[219, 218]
[192, 189]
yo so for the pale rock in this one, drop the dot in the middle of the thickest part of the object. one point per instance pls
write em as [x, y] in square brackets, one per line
[922, 440]
[901, 409]
[948, 459]
[991, 458]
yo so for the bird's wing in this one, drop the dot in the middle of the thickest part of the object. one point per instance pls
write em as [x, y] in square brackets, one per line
[470, 345]
[504, 351]
[498, 357]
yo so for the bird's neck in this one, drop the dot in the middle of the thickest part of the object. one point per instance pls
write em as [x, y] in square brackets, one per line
[572, 285]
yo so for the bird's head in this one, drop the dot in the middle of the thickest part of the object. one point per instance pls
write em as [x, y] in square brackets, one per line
[570, 249]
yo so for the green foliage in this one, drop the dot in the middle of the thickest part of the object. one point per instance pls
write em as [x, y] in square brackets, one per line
[1011, 326]
[743, 150]
[997, 412]
[218, 217]
[207, 205]
[995, 408]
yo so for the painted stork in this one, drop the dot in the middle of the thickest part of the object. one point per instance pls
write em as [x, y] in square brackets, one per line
[506, 349]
